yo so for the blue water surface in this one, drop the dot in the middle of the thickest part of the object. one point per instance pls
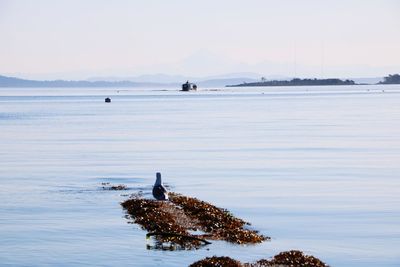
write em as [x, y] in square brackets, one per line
[315, 168]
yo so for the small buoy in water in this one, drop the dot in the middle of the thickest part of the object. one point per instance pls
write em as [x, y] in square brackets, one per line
[107, 100]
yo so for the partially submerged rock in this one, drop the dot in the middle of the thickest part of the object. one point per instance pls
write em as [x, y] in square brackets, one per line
[290, 258]
[108, 186]
[161, 217]
[176, 222]
[217, 262]
[219, 223]
[293, 258]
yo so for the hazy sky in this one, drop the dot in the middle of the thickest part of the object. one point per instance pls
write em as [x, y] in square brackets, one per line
[79, 39]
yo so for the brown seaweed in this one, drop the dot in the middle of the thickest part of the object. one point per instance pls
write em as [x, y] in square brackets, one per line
[290, 258]
[293, 258]
[218, 222]
[217, 262]
[173, 220]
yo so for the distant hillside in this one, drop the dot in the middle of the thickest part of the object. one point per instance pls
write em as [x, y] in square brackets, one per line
[166, 79]
[298, 82]
[176, 82]
[16, 82]
[13, 82]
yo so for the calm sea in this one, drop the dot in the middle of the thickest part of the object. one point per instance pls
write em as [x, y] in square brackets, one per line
[315, 168]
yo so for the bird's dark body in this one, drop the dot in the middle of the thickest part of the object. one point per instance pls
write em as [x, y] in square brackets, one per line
[159, 192]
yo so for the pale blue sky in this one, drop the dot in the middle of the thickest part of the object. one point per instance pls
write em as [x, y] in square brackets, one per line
[79, 39]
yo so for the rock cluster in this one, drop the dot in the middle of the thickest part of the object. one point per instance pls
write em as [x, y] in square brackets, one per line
[173, 222]
[293, 258]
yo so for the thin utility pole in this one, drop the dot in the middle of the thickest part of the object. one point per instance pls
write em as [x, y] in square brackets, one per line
[295, 59]
[322, 59]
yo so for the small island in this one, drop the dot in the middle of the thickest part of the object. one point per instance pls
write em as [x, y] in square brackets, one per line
[297, 82]
[391, 79]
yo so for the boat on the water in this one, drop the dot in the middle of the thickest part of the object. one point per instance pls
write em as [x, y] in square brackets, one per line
[187, 86]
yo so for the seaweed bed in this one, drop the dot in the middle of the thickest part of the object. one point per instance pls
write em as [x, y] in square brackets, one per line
[187, 223]
[287, 258]
[174, 223]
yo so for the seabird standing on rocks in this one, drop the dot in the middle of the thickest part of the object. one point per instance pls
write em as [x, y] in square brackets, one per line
[159, 191]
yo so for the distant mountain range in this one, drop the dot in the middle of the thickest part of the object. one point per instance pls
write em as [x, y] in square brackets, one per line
[17, 82]
[158, 80]
[155, 80]
[166, 78]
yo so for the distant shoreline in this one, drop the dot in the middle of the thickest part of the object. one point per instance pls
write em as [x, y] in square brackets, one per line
[13, 82]
[298, 82]
[390, 79]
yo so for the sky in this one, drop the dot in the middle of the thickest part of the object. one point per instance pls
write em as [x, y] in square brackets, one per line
[74, 39]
